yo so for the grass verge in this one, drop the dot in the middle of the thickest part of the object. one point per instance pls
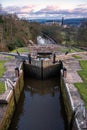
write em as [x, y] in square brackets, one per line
[2, 87]
[20, 50]
[82, 87]
[70, 50]
[2, 70]
[77, 56]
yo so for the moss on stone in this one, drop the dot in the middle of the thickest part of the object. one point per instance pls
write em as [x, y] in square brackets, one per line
[66, 101]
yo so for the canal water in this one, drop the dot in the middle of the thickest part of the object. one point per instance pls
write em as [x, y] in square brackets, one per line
[40, 107]
[43, 41]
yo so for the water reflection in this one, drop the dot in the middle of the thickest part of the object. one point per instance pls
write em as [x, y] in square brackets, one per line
[39, 107]
[43, 41]
[42, 86]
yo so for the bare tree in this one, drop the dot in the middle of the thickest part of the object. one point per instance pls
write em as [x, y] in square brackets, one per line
[82, 34]
[0, 9]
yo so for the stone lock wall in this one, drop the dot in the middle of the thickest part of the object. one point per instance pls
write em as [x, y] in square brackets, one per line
[8, 109]
[67, 104]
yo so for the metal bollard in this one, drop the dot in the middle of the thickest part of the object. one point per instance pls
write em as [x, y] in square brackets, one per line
[17, 72]
[61, 64]
[29, 56]
[54, 58]
[64, 72]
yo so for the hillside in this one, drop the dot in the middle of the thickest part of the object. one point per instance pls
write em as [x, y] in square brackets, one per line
[71, 21]
[15, 32]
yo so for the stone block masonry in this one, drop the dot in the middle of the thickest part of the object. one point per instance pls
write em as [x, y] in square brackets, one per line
[74, 104]
[9, 100]
[42, 69]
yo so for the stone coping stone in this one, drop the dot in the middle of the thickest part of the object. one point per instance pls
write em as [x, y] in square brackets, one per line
[72, 66]
[5, 97]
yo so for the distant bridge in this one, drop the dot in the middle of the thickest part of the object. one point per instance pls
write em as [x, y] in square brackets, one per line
[50, 38]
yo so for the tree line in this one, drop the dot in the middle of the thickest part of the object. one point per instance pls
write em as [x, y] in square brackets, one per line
[15, 32]
[68, 35]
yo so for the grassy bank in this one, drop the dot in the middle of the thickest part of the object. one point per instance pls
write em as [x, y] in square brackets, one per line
[2, 70]
[82, 87]
[21, 50]
[77, 56]
[2, 87]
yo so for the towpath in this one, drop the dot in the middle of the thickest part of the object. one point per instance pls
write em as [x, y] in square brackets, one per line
[72, 66]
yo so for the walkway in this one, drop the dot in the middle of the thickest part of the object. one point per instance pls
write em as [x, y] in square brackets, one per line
[10, 65]
[72, 66]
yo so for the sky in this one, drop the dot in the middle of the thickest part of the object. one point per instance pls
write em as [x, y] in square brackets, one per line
[48, 9]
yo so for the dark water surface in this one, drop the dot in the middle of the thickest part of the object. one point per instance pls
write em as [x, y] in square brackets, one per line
[40, 107]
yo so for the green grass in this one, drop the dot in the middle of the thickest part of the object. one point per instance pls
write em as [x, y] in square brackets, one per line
[21, 50]
[65, 50]
[82, 87]
[2, 70]
[83, 74]
[77, 56]
[77, 49]
[70, 50]
[9, 57]
[83, 64]
[2, 87]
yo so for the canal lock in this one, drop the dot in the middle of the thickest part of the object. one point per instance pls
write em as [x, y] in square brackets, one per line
[40, 106]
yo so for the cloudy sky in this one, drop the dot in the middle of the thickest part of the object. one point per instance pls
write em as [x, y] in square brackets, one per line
[49, 9]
